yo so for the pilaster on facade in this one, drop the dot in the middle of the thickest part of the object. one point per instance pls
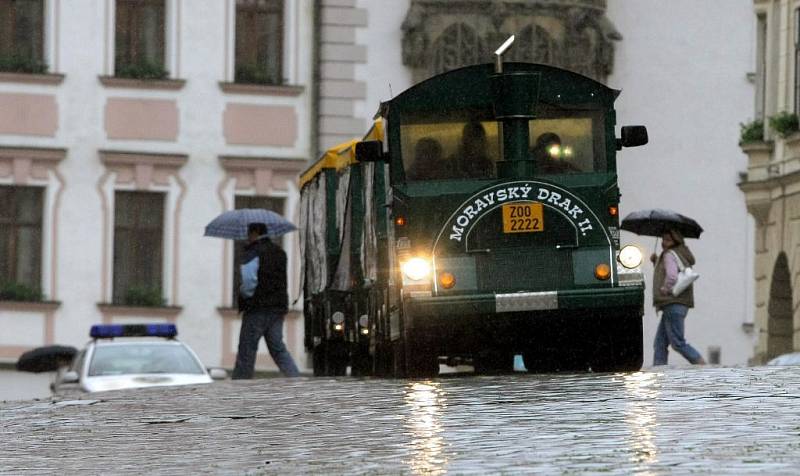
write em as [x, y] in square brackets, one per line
[774, 203]
[339, 53]
[772, 184]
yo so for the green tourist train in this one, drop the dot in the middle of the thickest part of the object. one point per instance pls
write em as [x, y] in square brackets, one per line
[477, 220]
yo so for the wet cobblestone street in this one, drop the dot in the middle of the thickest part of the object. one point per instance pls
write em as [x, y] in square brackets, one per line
[704, 420]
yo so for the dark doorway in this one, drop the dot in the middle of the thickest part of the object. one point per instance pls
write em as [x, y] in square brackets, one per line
[779, 323]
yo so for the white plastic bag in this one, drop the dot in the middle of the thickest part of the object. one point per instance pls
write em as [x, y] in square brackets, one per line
[686, 276]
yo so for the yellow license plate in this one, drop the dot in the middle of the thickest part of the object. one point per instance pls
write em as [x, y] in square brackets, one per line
[522, 217]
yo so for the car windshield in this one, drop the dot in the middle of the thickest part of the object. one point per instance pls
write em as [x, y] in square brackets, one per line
[143, 358]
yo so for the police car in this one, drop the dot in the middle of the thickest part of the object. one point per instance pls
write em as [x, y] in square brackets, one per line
[133, 356]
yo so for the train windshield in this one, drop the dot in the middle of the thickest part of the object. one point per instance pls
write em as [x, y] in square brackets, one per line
[568, 142]
[434, 148]
[440, 150]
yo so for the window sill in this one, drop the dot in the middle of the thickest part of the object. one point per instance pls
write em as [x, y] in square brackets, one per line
[792, 138]
[29, 306]
[131, 83]
[168, 312]
[31, 78]
[754, 148]
[261, 89]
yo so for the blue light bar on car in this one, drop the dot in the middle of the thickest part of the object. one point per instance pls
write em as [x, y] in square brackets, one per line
[108, 331]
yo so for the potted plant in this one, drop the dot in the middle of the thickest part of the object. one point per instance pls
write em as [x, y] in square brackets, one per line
[758, 150]
[142, 70]
[784, 123]
[751, 132]
[20, 292]
[143, 296]
[21, 64]
[253, 74]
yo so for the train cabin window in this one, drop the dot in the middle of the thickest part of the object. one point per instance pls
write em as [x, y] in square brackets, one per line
[450, 150]
[568, 144]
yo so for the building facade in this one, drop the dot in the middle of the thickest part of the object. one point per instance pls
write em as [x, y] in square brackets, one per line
[125, 127]
[660, 55]
[771, 185]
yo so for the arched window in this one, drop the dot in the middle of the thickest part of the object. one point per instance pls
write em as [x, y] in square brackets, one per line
[780, 326]
[534, 45]
[458, 46]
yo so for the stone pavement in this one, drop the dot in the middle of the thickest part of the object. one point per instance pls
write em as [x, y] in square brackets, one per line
[699, 420]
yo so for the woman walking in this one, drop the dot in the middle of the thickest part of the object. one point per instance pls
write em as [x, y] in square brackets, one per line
[673, 308]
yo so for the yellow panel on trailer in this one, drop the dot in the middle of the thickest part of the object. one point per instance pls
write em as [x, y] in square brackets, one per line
[341, 155]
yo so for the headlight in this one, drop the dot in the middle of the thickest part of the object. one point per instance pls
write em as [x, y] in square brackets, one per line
[630, 256]
[416, 269]
[337, 317]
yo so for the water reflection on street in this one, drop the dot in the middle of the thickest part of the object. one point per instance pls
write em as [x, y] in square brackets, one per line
[426, 404]
[707, 420]
[640, 415]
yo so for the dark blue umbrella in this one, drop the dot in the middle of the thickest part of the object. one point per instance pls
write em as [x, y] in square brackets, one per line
[233, 224]
[657, 221]
[46, 359]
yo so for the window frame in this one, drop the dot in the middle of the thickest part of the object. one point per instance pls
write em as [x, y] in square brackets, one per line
[134, 58]
[118, 295]
[37, 63]
[250, 201]
[277, 8]
[762, 40]
[14, 227]
[600, 162]
[796, 42]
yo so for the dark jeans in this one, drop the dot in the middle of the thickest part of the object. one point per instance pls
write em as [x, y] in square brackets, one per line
[670, 333]
[270, 325]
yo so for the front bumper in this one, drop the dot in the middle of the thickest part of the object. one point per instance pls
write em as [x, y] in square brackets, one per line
[585, 299]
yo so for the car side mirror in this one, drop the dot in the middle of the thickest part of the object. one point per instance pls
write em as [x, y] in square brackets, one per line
[70, 376]
[370, 151]
[217, 373]
[632, 136]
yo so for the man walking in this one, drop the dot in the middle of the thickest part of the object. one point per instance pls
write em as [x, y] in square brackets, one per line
[264, 302]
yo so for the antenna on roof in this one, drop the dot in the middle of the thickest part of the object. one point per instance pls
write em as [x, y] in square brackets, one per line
[498, 64]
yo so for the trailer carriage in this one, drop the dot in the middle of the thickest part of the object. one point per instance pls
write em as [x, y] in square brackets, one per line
[476, 220]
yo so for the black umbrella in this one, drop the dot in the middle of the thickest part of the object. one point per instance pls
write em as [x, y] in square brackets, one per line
[657, 221]
[46, 359]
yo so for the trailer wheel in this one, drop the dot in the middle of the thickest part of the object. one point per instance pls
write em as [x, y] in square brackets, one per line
[361, 362]
[620, 347]
[494, 362]
[420, 364]
[540, 361]
[330, 360]
[420, 360]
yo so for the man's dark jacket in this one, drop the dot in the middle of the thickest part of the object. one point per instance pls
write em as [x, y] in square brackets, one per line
[270, 293]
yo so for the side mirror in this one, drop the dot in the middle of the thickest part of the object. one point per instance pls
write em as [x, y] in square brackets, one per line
[217, 373]
[70, 376]
[370, 151]
[632, 136]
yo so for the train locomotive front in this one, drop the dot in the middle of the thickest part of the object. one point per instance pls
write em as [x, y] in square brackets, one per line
[476, 221]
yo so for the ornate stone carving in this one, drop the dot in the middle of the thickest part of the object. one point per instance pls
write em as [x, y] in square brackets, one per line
[439, 35]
